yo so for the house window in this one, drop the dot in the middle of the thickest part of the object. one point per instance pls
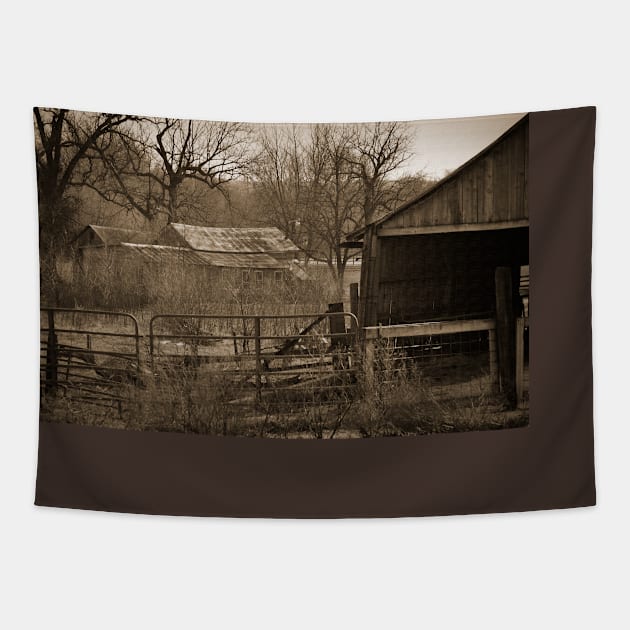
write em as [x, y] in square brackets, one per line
[258, 277]
[245, 277]
[278, 276]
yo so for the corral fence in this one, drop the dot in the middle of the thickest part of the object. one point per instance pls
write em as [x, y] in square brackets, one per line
[89, 356]
[259, 361]
[452, 359]
[247, 367]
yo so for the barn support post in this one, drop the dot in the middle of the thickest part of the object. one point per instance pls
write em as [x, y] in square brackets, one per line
[368, 301]
[506, 332]
[520, 362]
[354, 305]
[51, 355]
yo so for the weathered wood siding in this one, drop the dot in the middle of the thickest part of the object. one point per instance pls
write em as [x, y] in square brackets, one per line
[438, 276]
[489, 189]
[414, 272]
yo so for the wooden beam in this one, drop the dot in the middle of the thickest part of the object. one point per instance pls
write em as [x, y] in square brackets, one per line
[354, 304]
[506, 332]
[368, 294]
[456, 227]
[429, 328]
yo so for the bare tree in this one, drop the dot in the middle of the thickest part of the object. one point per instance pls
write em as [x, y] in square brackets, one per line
[306, 189]
[162, 165]
[318, 186]
[334, 195]
[64, 141]
[379, 150]
[280, 181]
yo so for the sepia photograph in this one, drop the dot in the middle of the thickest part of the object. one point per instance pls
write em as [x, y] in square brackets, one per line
[296, 281]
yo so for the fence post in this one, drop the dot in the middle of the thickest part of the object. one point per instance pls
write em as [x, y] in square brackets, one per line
[520, 361]
[354, 304]
[337, 323]
[257, 350]
[506, 333]
[51, 354]
[369, 366]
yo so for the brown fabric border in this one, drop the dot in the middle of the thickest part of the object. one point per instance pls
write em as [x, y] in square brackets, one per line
[546, 465]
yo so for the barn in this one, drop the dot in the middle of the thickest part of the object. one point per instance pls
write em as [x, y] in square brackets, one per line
[435, 257]
[449, 270]
[95, 243]
[257, 257]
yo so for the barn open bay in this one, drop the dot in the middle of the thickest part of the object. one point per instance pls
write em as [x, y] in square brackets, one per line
[282, 281]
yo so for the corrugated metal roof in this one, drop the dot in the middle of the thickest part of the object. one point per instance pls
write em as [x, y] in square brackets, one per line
[116, 236]
[234, 240]
[166, 254]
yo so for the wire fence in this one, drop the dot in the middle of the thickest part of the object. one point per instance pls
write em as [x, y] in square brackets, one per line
[281, 375]
[449, 360]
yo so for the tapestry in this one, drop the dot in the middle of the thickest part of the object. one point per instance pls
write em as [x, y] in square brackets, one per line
[315, 320]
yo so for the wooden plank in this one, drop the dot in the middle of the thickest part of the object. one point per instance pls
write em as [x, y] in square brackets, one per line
[370, 278]
[369, 366]
[366, 273]
[488, 190]
[428, 328]
[447, 229]
[467, 210]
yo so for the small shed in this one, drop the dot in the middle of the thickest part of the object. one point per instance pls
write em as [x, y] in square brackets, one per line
[435, 257]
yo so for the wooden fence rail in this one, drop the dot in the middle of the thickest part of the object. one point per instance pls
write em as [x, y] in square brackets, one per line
[373, 333]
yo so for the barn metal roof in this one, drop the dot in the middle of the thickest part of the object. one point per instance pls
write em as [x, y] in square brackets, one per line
[166, 254]
[116, 236]
[234, 240]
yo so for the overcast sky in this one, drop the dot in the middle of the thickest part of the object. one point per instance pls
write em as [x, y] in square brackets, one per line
[444, 144]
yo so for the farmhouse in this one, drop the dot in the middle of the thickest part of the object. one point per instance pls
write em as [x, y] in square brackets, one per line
[259, 257]
[435, 257]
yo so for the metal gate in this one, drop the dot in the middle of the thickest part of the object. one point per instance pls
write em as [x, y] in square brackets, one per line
[87, 357]
[259, 360]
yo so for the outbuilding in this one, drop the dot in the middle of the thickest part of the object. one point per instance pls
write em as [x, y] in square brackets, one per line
[449, 270]
[435, 257]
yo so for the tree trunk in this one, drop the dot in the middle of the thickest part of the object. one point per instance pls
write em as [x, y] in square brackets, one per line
[173, 203]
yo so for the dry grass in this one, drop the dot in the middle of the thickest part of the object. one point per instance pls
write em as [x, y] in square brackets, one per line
[405, 401]
[188, 399]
